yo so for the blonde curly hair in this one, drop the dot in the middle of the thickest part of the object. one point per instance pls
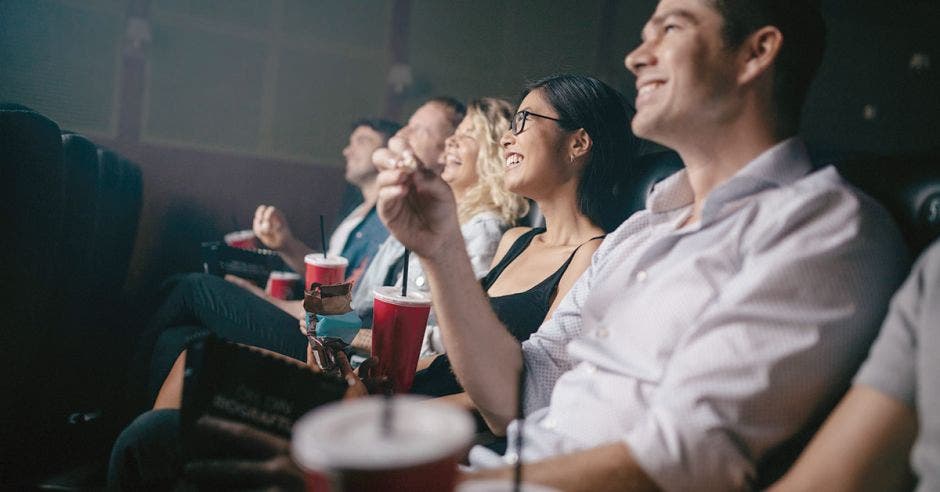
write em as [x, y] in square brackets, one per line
[490, 118]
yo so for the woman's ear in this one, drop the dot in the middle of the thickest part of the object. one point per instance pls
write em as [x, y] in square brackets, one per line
[581, 144]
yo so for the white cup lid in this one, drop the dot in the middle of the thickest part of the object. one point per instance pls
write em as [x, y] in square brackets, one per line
[348, 435]
[501, 486]
[239, 235]
[331, 260]
[392, 295]
[277, 275]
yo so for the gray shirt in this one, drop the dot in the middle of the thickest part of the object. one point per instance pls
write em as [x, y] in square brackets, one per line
[904, 363]
[705, 347]
[481, 233]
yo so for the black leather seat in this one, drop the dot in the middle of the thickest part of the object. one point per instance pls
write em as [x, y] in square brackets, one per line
[649, 169]
[909, 187]
[34, 209]
[120, 191]
[81, 195]
[71, 219]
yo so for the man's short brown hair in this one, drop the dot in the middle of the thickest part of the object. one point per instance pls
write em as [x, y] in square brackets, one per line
[804, 41]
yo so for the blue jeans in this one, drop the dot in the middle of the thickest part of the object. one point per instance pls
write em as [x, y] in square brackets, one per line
[199, 304]
[147, 454]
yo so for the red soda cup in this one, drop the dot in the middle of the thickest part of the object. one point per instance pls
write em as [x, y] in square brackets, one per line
[325, 270]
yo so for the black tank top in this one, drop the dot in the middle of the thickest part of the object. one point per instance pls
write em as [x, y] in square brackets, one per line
[521, 313]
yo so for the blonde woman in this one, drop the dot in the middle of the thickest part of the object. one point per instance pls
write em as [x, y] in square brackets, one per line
[472, 165]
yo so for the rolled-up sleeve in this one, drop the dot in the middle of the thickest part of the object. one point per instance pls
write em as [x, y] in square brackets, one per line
[774, 349]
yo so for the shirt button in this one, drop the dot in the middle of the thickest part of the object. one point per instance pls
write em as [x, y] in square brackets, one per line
[602, 333]
[549, 423]
[590, 368]
[419, 281]
[359, 235]
[641, 276]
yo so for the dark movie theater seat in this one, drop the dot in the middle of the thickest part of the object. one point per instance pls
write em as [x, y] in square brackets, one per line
[908, 186]
[72, 211]
[120, 188]
[649, 169]
[33, 206]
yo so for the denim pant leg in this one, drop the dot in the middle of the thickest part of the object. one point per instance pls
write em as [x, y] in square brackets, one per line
[222, 308]
[171, 343]
[147, 455]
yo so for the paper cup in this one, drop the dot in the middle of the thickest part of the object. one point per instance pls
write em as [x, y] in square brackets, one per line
[330, 270]
[342, 446]
[398, 325]
[283, 285]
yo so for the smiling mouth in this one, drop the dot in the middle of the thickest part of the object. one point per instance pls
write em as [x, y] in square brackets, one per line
[645, 91]
[452, 161]
[513, 160]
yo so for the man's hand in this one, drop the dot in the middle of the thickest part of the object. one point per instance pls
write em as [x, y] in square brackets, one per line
[415, 204]
[271, 227]
[254, 459]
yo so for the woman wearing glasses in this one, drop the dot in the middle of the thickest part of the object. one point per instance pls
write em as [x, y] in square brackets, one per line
[568, 146]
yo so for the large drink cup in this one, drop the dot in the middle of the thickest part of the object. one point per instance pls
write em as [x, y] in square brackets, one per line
[241, 239]
[326, 270]
[283, 285]
[398, 324]
[344, 446]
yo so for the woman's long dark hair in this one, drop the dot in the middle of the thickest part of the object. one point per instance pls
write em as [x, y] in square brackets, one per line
[588, 103]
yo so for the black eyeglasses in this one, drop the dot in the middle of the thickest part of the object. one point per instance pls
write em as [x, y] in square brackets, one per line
[518, 121]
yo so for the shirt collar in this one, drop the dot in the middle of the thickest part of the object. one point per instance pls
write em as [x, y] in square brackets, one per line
[780, 165]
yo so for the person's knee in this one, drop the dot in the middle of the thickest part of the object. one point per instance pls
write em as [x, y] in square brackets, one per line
[147, 452]
[196, 281]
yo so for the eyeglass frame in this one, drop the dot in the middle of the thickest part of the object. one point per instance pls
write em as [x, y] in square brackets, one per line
[525, 115]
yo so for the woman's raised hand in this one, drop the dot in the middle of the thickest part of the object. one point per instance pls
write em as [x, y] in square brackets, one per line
[415, 204]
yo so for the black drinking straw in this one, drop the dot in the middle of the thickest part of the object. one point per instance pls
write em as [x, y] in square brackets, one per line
[404, 275]
[520, 417]
[322, 236]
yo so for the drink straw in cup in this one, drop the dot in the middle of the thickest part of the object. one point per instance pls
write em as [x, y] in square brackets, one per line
[322, 236]
[404, 275]
[520, 417]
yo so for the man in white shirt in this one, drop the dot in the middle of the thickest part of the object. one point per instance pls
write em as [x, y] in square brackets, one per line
[712, 328]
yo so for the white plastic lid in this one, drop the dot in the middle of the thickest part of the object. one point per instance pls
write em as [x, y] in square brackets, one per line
[331, 260]
[392, 295]
[501, 486]
[239, 235]
[277, 275]
[348, 435]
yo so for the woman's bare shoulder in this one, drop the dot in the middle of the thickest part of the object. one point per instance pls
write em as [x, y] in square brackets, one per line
[508, 238]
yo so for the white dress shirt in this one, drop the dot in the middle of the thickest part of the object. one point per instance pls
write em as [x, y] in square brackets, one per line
[703, 347]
